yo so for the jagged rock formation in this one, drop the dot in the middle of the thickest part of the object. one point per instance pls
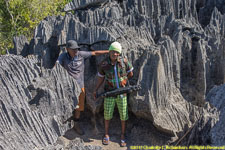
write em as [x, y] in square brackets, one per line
[209, 130]
[216, 98]
[177, 49]
[20, 46]
[33, 106]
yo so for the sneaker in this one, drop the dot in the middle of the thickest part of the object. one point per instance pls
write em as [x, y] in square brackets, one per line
[78, 129]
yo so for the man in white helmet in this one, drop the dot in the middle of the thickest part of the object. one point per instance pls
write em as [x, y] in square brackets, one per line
[115, 71]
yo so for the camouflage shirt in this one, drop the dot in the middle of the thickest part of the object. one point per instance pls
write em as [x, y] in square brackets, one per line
[115, 75]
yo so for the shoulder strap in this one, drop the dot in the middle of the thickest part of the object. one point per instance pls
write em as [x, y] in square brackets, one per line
[122, 63]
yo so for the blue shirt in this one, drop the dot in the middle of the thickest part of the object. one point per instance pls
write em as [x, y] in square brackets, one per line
[75, 66]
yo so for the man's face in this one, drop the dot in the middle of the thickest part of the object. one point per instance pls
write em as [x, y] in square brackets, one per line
[72, 52]
[113, 55]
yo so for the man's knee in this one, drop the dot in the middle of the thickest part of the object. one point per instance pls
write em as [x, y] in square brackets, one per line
[108, 115]
[124, 117]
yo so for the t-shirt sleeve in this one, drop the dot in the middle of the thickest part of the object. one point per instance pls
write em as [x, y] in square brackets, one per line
[129, 67]
[85, 54]
[60, 59]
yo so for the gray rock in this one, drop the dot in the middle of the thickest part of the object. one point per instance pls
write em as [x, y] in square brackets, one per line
[20, 46]
[216, 99]
[83, 4]
[176, 47]
[78, 144]
[33, 107]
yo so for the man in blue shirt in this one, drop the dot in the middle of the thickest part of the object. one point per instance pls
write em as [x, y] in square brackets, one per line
[73, 62]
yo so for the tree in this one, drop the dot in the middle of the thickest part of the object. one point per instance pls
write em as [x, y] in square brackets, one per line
[20, 17]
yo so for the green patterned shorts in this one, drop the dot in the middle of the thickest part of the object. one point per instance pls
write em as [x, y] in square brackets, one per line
[109, 104]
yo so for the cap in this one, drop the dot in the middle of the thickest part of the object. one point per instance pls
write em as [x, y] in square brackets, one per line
[72, 44]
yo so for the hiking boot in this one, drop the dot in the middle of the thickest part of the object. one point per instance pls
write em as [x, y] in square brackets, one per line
[78, 129]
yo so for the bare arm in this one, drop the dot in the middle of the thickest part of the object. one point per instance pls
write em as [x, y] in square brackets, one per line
[130, 74]
[96, 53]
[99, 83]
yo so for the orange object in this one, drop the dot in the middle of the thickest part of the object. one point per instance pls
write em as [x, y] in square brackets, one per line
[81, 100]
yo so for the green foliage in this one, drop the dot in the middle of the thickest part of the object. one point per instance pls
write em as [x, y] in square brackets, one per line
[19, 17]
